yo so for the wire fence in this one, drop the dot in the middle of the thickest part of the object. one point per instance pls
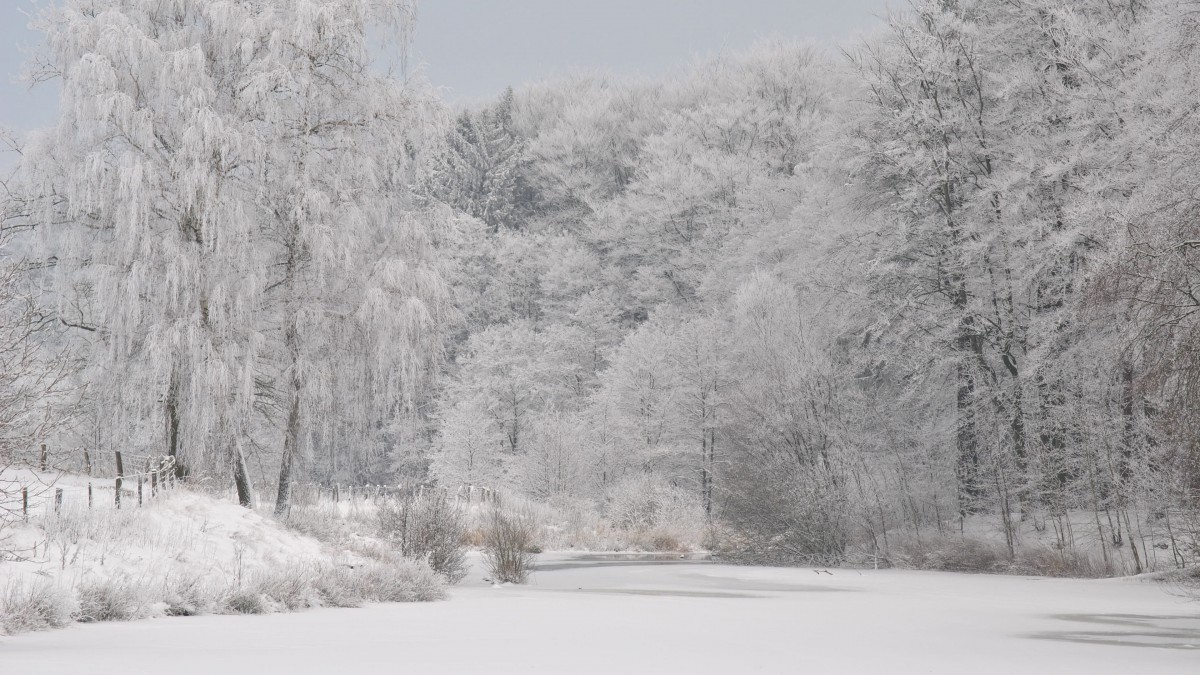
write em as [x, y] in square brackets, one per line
[82, 478]
[132, 481]
[313, 494]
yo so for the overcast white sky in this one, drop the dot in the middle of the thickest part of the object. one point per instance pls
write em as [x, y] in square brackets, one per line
[472, 49]
[475, 48]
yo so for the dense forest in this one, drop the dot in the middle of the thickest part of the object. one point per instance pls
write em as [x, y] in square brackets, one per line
[829, 300]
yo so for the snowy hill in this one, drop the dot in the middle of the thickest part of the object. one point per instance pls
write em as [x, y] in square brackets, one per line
[182, 552]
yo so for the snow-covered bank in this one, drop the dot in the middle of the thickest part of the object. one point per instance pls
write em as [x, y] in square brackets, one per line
[588, 614]
[181, 553]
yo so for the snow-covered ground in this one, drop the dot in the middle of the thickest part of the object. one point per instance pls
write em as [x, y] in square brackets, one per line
[605, 614]
[181, 552]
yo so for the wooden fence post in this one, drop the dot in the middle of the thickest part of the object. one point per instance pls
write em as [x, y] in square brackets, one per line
[120, 474]
[89, 495]
[25, 502]
[44, 460]
[58, 492]
[139, 489]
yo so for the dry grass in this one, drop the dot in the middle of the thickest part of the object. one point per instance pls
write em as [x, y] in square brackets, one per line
[664, 526]
[34, 606]
[116, 598]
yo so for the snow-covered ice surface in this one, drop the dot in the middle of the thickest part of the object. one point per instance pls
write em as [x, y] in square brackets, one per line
[612, 614]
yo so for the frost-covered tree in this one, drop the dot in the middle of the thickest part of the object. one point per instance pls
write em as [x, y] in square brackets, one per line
[583, 142]
[510, 372]
[470, 450]
[1154, 277]
[224, 197]
[355, 303]
[559, 457]
[481, 168]
[720, 168]
[36, 388]
[789, 411]
[140, 202]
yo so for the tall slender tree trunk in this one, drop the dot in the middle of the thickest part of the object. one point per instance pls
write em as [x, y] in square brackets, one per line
[291, 339]
[241, 477]
[708, 441]
[172, 415]
[291, 432]
[1129, 437]
[966, 438]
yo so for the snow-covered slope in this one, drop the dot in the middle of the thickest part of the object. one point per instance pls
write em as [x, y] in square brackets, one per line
[182, 552]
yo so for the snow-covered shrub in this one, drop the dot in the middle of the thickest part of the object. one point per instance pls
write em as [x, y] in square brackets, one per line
[430, 528]
[297, 587]
[575, 523]
[509, 537]
[951, 554]
[1185, 582]
[26, 607]
[402, 580]
[186, 595]
[659, 515]
[246, 601]
[111, 599]
[1050, 562]
[287, 588]
[785, 512]
[319, 523]
[336, 586]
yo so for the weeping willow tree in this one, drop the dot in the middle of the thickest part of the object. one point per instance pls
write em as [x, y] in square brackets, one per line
[223, 198]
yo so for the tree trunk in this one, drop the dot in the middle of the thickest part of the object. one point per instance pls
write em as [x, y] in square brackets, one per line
[283, 498]
[172, 405]
[291, 432]
[241, 478]
[969, 489]
[708, 440]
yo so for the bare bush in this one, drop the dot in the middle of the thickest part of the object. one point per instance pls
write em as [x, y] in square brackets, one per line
[430, 528]
[508, 542]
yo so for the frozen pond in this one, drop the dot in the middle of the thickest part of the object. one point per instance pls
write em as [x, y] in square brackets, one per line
[602, 614]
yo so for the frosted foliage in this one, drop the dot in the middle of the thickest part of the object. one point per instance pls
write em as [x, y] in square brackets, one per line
[225, 239]
[34, 372]
[642, 388]
[560, 461]
[469, 453]
[943, 277]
